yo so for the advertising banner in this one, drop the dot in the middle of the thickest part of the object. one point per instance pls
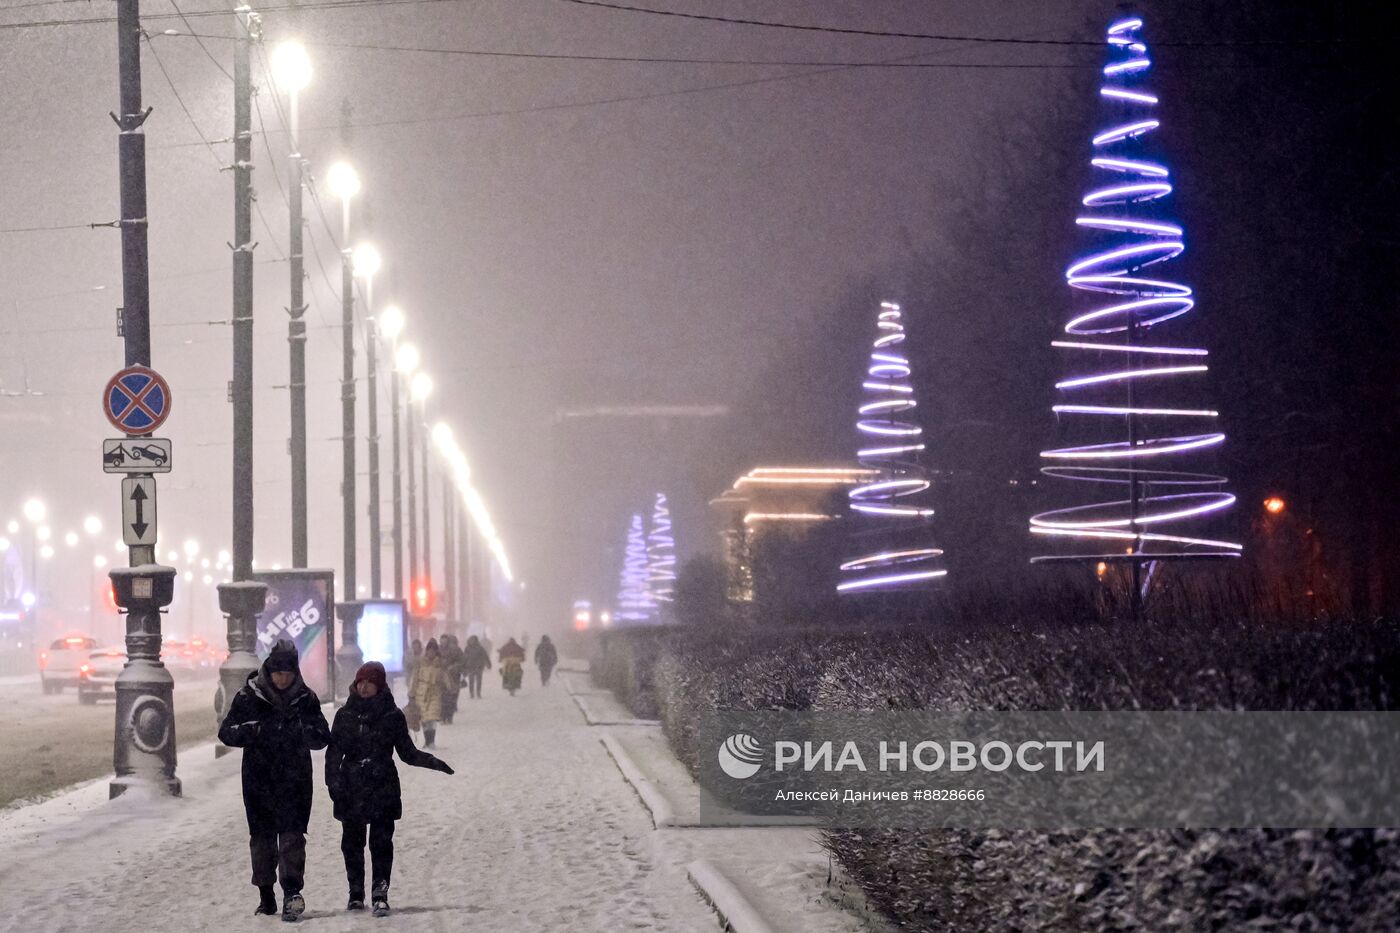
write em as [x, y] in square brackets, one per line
[300, 606]
[382, 633]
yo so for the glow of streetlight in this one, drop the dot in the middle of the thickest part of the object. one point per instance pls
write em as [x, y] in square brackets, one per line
[225, 557]
[46, 551]
[4, 545]
[406, 359]
[191, 548]
[343, 180]
[1274, 505]
[291, 66]
[99, 562]
[71, 539]
[366, 261]
[35, 510]
[43, 532]
[391, 321]
[92, 525]
[442, 434]
[13, 527]
[421, 387]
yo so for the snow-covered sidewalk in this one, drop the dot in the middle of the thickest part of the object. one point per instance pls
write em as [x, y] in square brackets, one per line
[536, 831]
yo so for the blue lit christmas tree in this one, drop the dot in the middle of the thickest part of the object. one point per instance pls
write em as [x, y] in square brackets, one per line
[661, 553]
[891, 524]
[1122, 403]
[634, 601]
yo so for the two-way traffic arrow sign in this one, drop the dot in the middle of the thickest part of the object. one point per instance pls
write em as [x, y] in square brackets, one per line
[138, 510]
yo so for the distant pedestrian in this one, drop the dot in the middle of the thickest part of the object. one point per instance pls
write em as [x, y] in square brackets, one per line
[512, 657]
[276, 719]
[364, 784]
[425, 688]
[452, 662]
[546, 656]
[475, 659]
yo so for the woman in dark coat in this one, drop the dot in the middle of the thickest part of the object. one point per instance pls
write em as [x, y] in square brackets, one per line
[364, 784]
[276, 719]
[475, 659]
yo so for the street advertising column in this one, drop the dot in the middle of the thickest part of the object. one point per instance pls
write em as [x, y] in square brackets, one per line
[300, 606]
[383, 633]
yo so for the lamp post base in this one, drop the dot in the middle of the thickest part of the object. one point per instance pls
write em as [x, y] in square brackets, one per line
[242, 603]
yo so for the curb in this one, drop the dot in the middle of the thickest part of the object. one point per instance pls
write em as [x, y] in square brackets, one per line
[662, 814]
[592, 720]
[735, 912]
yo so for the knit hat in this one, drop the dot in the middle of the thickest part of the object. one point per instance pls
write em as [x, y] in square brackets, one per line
[283, 657]
[372, 671]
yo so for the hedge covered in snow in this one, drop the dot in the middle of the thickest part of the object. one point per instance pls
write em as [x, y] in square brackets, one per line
[1100, 880]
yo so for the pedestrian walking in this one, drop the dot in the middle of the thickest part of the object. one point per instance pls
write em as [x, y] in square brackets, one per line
[276, 719]
[512, 658]
[452, 660]
[425, 687]
[546, 657]
[364, 783]
[475, 659]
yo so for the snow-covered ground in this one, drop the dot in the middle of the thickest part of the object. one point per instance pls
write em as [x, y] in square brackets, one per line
[536, 831]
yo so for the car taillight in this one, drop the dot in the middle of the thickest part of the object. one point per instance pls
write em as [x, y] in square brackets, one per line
[43, 659]
[85, 670]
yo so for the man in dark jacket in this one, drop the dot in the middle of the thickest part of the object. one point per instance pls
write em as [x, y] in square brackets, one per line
[364, 784]
[546, 656]
[475, 659]
[276, 719]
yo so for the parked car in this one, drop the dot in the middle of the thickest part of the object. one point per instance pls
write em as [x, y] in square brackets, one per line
[97, 675]
[58, 666]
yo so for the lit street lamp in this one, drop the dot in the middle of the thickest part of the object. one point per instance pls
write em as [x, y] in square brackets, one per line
[420, 389]
[291, 71]
[406, 363]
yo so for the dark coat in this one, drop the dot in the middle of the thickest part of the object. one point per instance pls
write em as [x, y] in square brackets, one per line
[474, 658]
[360, 772]
[546, 655]
[277, 731]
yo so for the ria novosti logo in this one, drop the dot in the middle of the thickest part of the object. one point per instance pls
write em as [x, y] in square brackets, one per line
[740, 756]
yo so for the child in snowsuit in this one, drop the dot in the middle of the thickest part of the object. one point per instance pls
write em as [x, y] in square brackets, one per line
[364, 784]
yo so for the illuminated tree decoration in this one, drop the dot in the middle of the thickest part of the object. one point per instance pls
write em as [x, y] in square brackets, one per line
[661, 553]
[887, 509]
[1140, 441]
[634, 602]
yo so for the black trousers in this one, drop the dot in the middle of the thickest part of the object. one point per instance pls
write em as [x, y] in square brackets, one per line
[277, 854]
[381, 853]
[474, 683]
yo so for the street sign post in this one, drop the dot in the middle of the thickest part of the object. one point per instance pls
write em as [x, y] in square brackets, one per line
[136, 400]
[136, 455]
[139, 510]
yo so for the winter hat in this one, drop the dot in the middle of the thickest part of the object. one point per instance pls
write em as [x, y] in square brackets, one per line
[283, 657]
[372, 671]
[431, 647]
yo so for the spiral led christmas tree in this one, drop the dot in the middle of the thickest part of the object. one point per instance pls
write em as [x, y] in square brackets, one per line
[887, 509]
[1121, 367]
[661, 553]
[634, 602]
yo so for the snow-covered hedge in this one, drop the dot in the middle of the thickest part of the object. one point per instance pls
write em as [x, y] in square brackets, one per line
[959, 880]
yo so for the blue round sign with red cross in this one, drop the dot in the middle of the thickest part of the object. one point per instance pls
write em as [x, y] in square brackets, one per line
[137, 400]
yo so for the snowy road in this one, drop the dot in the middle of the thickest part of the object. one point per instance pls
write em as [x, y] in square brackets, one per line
[51, 742]
[536, 831]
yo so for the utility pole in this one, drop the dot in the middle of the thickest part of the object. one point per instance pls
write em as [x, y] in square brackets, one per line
[466, 588]
[427, 508]
[371, 386]
[449, 550]
[296, 339]
[398, 482]
[413, 576]
[242, 600]
[143, 747]
[348, 656]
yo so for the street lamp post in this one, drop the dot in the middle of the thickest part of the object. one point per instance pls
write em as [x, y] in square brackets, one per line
[406, 362]
[291, 69]
[391, 325]
[422, 388]
[367, 263]
[345, 184]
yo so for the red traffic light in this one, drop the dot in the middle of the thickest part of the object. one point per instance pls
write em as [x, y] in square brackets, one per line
[422, 597]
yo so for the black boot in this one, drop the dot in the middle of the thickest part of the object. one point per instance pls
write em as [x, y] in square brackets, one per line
[380, 899]
[429, 738]
[267, 901]
[356, 901]
[293, 906]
